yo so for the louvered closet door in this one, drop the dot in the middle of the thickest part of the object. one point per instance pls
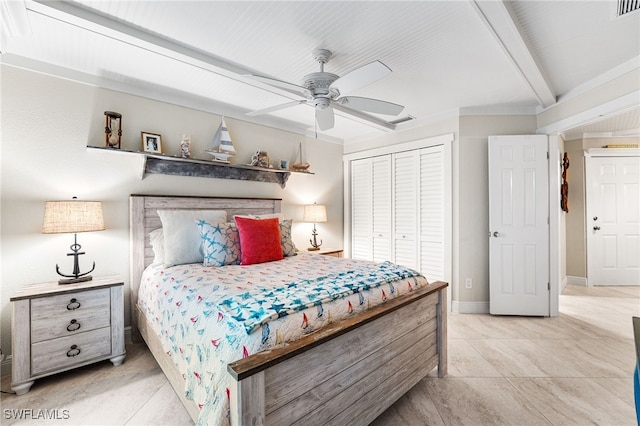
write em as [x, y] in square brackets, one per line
[405, 207]
[361, 216]
[432, 213]
[381, 208]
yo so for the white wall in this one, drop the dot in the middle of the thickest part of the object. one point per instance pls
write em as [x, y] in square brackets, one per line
[45, 126]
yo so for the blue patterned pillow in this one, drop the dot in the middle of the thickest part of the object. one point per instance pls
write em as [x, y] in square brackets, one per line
[220, 243]
[288, 247]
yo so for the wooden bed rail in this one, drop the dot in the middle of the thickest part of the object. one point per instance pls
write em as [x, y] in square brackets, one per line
[245, 367]
[355, 384]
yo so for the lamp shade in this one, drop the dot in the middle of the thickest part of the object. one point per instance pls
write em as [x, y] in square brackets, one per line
[315, 213]
[72, 217]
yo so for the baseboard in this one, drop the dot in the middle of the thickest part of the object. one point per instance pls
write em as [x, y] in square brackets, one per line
[581, 281]
[470, 307]
[5, 366]
[563, 284]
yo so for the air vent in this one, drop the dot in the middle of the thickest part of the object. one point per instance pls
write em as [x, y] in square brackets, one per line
[403, 119]
[627, 6]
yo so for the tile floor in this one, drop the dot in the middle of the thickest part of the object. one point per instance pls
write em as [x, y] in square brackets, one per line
[575, 369]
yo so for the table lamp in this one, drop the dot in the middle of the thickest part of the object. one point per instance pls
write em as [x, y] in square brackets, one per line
[314, 213]
[72, 217]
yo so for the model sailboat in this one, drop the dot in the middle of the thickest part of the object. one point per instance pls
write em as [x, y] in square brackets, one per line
[300, 166]
[221, 147]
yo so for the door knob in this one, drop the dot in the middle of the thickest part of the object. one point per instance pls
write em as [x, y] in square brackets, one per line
[595, 218]
[496, 234]
[596, 228]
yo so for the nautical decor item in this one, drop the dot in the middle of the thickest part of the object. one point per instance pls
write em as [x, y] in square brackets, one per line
[221, 147]
[72, 217]
[315, 213]
[261, 159]
[300, 166]
[185, 146]
[112, 129]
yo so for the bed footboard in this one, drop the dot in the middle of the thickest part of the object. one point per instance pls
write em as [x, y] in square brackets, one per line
[349, 372]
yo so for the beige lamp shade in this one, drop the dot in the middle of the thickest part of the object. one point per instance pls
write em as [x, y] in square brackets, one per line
[72, 217]
[315, 213]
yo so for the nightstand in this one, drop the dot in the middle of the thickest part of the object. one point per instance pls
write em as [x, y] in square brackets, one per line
[60, 327]
[329, 252]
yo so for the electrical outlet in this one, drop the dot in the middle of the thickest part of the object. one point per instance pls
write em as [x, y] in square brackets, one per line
[468, 283]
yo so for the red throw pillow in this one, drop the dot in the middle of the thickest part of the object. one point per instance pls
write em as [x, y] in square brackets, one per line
[259, 240]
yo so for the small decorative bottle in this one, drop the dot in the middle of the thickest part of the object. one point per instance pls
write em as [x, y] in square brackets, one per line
[185, 146]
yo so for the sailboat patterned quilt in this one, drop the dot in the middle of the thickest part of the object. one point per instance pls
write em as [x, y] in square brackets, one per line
[208, 317]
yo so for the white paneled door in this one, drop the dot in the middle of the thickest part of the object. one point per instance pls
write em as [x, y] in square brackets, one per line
[613, 220]
[518, 225]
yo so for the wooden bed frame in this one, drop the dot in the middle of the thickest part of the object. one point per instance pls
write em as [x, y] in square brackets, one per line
[348, 372]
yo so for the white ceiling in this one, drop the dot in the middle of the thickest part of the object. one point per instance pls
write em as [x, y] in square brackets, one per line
[446, 56]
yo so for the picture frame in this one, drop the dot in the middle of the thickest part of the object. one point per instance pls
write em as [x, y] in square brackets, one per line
[151, 142]
[112, 129]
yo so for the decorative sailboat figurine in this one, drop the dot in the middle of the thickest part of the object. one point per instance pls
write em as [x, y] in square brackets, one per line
[221, 147]
[300, 166]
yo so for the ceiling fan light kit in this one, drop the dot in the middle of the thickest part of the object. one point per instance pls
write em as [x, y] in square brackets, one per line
[324, 89]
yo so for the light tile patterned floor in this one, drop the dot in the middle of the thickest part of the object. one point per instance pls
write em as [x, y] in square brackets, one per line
[573, 369]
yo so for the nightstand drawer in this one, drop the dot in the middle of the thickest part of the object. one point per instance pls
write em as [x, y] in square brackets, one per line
[68, 314]
[59, 353]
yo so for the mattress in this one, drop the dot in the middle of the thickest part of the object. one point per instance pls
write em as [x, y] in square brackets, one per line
[208, 317]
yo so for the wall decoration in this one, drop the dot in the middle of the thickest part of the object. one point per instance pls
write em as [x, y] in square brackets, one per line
[300, 166]
[284, 164]
[221, 146]
[564, 188]
[261, 159]
[185, 146]
[112, 129]
[151, 142]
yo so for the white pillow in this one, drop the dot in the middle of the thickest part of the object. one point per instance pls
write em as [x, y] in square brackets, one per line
[280, 216]
[156, 238]
[182, 240]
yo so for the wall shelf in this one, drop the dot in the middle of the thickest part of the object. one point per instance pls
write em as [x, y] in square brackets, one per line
[178, 166]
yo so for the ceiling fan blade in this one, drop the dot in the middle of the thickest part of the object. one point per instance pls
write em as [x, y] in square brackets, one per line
[274, 108]
[289, 87]
[361, 77]
[371, 105]
[325, 118]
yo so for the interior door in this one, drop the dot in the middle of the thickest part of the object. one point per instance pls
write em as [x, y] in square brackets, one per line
[613, 220]
[518, 225]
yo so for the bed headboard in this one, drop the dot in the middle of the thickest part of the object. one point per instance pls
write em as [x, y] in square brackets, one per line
[143, 218]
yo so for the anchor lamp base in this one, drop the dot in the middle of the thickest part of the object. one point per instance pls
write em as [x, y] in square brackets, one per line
[75, 280]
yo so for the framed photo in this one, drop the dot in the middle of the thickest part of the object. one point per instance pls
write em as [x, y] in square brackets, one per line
[112, 129]
[151, 142]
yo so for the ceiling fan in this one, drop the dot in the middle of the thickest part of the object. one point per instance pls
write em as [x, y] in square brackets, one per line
[323, 89]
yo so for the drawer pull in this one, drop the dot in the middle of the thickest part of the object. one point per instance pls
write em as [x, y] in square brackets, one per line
[73, 305]
[73, 325]
[74, 351]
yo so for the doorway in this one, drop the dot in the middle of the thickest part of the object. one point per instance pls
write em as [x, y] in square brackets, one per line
[612, 179]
